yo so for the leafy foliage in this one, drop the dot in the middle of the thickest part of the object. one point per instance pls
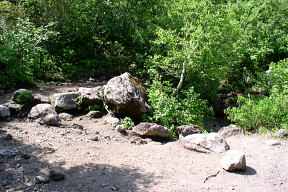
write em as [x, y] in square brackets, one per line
[266, 112]
[127, 123]
[23, 97]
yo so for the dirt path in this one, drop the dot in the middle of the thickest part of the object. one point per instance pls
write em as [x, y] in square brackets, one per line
[114, 164]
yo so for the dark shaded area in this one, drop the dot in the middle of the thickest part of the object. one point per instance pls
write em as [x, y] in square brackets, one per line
[19, 169]
[248, 171]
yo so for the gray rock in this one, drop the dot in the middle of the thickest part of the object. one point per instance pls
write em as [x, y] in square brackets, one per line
[41, 110]
[112, 120]
[281, 133]
[151, 130]
[273, 142]
[90, 96]
[41, 179]
[185, 130]
[125, 95]
[94, 114]
[120, 128]
[206, 142]
[42, 98]
[65, 116]
[66, 101]
[230, 131]
[50, 119]
[234, 160]
[4, 111]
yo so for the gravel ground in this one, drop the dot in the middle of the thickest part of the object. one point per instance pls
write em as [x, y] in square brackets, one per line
[114, 164]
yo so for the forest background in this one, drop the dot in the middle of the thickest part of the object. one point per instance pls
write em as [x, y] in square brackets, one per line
[198, 59]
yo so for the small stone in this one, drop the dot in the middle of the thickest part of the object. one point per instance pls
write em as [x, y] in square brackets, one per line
[56, 176]
[65, 116]
[96, 138]
[94, 114]
[76, 126]
[26, 156]
[8, 137]
[234, 160]
[282, 133]
[114, 188]
[41, 179]
[273, 142]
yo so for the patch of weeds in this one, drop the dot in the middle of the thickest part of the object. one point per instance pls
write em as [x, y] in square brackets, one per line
[127, 123]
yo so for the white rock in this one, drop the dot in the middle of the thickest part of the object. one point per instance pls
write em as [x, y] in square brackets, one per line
[234, 160]
[4, 111]
[206, 142]
[41, 110]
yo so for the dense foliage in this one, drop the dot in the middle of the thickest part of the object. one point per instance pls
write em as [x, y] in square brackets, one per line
[190, 52]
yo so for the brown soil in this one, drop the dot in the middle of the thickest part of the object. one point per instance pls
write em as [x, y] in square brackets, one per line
[114, 164]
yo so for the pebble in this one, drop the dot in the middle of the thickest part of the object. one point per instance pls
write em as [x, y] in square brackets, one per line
[41, 179]
[8, 137]
[273, 142]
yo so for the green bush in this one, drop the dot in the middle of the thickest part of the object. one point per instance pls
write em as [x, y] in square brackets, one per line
[184, 109]
[265, 112]
[127, 123]
[23, 97]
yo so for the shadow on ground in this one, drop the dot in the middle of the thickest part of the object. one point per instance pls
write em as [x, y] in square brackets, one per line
[19, 169]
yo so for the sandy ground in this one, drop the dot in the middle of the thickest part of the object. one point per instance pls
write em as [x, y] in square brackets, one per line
[113, 163]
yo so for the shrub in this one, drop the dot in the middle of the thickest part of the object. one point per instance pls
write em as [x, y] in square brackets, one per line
[23, 97]
[265, 112]
[127, 123]
[186, 108]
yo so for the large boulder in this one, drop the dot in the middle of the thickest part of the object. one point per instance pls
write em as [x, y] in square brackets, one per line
[185, 130]
[41, 110]
[206, 142]
[90, 96]
[230, 131]
[151, 130]
[234, 160]
[125, 95]
[4, 111]
[66, 101]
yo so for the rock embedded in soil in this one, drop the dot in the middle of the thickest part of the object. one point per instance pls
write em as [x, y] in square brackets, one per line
[185, 130]
[281, 133]
[230, 130]
[41, 179]
[90, 96]
[94, 114]
[112, 121]
[234, 160]
[4, 111]
[125, 95]
[151, 130]
[41, 110]
[65, 116]
[206, 142]
[50, 120]
[66, 101]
